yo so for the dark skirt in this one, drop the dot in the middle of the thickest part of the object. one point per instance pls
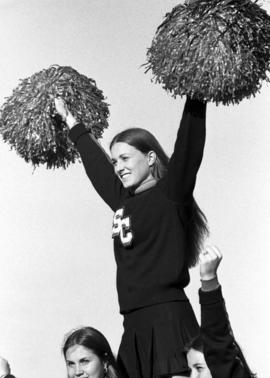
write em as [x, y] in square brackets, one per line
[154, 340]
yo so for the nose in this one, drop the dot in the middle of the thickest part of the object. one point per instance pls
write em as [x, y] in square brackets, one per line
[78, 371]
[119, 167]
[193, 374]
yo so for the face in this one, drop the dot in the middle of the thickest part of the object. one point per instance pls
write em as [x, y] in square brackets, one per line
[84, 363]
[197, 364]
[131, 165]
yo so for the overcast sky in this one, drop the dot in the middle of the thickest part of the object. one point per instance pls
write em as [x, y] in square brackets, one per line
[56, 261]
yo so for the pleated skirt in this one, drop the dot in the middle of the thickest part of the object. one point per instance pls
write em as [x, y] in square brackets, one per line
[154, 340]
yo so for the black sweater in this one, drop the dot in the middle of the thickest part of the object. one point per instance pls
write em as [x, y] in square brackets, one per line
[222, 354]
[149, 227]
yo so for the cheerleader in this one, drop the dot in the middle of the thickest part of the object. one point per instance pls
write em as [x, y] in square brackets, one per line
[88, 354]
[216, 346]
[157, 231]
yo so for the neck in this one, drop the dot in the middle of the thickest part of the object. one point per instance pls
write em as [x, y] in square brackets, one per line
[146, 185]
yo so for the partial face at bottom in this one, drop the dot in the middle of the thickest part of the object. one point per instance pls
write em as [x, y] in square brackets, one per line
[197, 364]
[84, 363]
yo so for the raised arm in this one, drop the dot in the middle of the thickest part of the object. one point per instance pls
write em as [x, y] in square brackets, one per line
[96, 162]
[188, 152]
[222, 353]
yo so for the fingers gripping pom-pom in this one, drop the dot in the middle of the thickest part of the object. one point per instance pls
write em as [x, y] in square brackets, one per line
[212, 50]
[29, 122]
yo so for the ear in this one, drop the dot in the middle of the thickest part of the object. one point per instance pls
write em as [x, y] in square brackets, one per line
[152, 157]
[105, 367]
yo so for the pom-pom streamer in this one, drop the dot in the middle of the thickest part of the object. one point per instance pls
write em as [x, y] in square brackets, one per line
[29, 122]
[212, 50]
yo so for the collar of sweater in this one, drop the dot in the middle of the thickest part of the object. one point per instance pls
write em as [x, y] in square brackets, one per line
[145, 186]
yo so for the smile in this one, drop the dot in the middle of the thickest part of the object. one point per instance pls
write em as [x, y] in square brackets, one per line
[124, 176]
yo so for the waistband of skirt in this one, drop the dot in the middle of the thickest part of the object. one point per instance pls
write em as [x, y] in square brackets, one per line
[174, 295]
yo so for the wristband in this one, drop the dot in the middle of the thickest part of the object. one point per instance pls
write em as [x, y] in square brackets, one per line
[209, 285]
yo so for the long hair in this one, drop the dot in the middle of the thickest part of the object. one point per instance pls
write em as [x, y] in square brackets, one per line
[94, 340]
[196, 232]
[196, 227]
[198, 344]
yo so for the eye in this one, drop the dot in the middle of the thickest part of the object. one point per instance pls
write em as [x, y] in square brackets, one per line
[85, 361]
[200, 368]
[70, 363]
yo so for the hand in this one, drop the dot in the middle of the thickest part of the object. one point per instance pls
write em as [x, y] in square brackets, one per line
[209, 261]
[61, 107]
[63, 111]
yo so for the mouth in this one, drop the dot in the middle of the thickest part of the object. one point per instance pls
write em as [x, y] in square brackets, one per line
[123, 176]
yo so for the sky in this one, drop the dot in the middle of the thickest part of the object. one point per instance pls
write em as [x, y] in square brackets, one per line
[56, 260]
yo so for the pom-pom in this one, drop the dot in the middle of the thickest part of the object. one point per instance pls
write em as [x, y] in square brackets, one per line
[29, 122]
[212, 50]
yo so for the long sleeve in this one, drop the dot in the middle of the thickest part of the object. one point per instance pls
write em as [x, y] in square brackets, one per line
[188, 152]
[180, 180]
[97, 166]
[222, 354]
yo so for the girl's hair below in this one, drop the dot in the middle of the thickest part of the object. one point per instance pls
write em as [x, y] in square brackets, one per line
[94, 340]
[197, 344]
[145, 142]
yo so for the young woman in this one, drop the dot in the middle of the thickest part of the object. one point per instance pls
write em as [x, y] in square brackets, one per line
[196, 360]
[88, 355]
[157, 230]
[216, 345]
